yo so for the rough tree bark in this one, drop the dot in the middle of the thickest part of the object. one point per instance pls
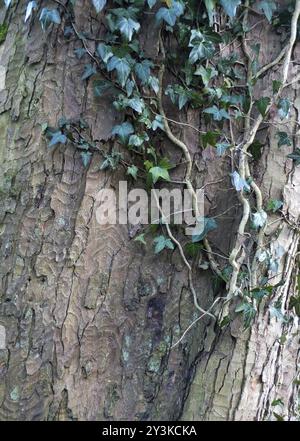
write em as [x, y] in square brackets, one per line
[88, 315]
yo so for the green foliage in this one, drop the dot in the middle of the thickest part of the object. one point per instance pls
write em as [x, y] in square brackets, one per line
[49, 16]
[283, 108]
[248, 311]
[217, 114]
[162, 242]
[230, 6]
[123, 131]
[99, 5]
[170, 15]
[268, 7]
[157, 173]
[203, 227]
[3, 32]
[259, 219]
[111, 160]
[283, 139]
[274, 205]
[262, 104]
[295, 156]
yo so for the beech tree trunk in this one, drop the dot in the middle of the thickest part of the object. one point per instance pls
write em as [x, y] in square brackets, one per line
[87, 315]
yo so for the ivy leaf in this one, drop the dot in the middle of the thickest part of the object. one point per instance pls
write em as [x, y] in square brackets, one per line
[99, 5]
[206, 74]
[162, 242]
[210, 8]
[122, 67]
[157, 123]
[123, 131]
[80, 52]
[276, 84]
[102, 87]
[132, 171]
[151, 3]
[203, 227]
[30, 7]
[105, 52]
[268, 7]
[295, 303]
[202, 47]
[154, 84]
[57, 138]
[217, 114]
[277, 313]
[86, 158]
[157, 173]
[140, 238]
[49, 16]
[248, 311]
[259, 219]
[283, 108]
[89, 70]
[230, 6]
[274, 205]
[129, 87]
[169, 15]
[138, 140]
[222, 147]
[262, 105]
[127, 27]
[111, 161]
[283, 139]
[295, 156]
[143, 70]
[136, 104]
[238, 182]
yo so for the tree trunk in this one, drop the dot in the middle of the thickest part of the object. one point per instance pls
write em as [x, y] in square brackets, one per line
[87, 316]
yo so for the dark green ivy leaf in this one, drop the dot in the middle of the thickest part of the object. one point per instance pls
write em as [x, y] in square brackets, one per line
[143, 70]
[295, 303]
[121, 65]
[123, 131]
[105, 52]
[89, 70]
[262, 105]
[248, 311]
[295, 156]
[276, 84]
[283, 139]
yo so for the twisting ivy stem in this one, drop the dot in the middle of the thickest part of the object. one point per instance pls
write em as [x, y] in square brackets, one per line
[244, 171]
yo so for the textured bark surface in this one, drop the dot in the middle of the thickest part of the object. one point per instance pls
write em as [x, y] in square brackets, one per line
[88, 315]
